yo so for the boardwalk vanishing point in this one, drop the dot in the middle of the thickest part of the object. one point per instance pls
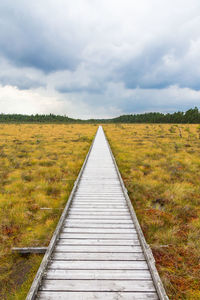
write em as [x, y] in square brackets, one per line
[98, 250]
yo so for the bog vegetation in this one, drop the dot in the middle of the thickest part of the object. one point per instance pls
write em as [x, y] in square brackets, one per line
[38, 165]
[160, 165]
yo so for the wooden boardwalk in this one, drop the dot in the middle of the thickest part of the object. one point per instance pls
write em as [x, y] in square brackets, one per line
[98, 250]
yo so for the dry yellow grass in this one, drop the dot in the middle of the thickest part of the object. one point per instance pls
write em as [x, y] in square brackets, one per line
[160, 165]
[38, 165]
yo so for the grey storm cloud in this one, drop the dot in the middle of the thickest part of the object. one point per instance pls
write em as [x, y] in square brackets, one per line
[28, 39]
[99, 58]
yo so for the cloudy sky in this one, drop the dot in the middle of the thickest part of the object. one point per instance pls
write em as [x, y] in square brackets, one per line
[99, 58]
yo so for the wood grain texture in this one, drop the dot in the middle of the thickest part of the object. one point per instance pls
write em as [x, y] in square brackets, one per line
[98, 265]
[101, 225]
[121, 236]
[97, 295]
[98, 249]
[98, 256]
[98, 285]
[98, 242]
[99, 220]
[98, 230]
[99, 274]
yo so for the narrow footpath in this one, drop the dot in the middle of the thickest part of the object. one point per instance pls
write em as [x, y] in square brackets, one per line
[98, 250]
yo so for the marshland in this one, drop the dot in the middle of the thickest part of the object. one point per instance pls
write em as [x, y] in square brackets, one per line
[160, 166]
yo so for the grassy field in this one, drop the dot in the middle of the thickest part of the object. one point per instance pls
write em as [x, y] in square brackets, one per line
[160, 165]
[38, 165]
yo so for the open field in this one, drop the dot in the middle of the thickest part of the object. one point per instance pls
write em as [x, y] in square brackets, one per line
[38, 165]
[160, 165]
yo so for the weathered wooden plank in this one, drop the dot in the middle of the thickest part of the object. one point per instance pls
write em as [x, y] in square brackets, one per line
[105, 181]
[46, 295]
[111, 181]
[93, 197]
[98, 256]
[98, 249]
[93, 203]
[79, 205]
[97, 230]
[98, 274]
[102, 217]
[101, 213]
[98, 209]
[104, 200]
[95, 265]
[98, 225]
[96, 242]
[101, 182]
[96, 183]
[123, 236]
[99, 203]
[98, 285]
[107, 188]
[100, 198]
[98, 221]
[106, 185]
[99, 191]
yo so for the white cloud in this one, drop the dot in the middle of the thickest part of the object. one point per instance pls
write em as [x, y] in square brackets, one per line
[13, 100]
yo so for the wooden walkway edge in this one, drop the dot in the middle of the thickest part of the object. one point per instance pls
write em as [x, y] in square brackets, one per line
[98, 250]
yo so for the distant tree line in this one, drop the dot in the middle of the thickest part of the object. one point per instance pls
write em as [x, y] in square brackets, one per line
[191, 116]
[51, 118]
